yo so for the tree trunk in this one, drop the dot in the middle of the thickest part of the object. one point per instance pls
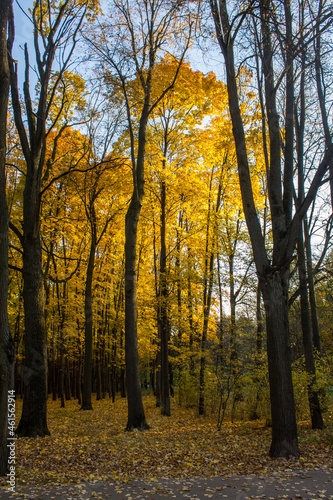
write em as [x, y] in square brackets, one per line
[67, 380]
[163, 313]
[313, 397]
[208, 289]
[284, 426]
[34, 371]
[312, 295]
[98, 375]
[88, 333]
[7, 349]
[136, 415]
[315, 410]
[233, 348]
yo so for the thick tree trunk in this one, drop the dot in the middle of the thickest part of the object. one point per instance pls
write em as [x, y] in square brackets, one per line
[34, 372]
[284, 426]
[136, 415]
[7, 350]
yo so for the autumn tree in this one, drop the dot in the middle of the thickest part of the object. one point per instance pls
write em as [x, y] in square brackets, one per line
[273, 271]
[172, 128]
[93, 186]
[130, 44]
[55, 29]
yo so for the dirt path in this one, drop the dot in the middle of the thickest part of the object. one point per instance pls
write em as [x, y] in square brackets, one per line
[293, 485]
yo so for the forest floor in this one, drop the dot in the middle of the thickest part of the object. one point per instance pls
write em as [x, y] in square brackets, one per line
[89, 455]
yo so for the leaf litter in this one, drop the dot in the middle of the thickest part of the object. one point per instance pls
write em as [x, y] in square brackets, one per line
[93, 446]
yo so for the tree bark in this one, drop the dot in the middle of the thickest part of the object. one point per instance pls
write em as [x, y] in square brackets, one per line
[314, 404]
[284, 428]
[7, 349]
[163, 313]
[34, 371]
[312, 295]
[136, 415]
[88, 332]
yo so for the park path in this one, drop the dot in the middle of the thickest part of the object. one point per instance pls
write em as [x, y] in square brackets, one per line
[296, 484]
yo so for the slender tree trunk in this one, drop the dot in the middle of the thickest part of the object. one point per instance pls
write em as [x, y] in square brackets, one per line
[312, 295]
[259, 339]
[61, 368]
[7, 349]
[67, 379]
[88, 334]
[190, 313]
[207, 303]
[221, 336]
[163, 310]
[233, 348]
[122, 370]
[98, 375]
[179, 280]
[315, 410]
[313, 397]
[157, 363]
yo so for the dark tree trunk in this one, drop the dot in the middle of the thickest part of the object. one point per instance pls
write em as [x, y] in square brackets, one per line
[284, 426]
[98, 375]
[315, 410]
[312, 295]
[67, 380]
[34, 371]
[88, 333]
[259, 340]
[207, 303]
[61, 371]
[190, 316]
[313, 397]
[233, 348]
[163, 313]
[136, 415]
[7, 349]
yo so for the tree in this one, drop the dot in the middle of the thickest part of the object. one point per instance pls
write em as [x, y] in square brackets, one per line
[313, 396]
[172, 127]
[7, 351]
[142, 32]
[273, 272]
[55, 28]
[92, 191]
